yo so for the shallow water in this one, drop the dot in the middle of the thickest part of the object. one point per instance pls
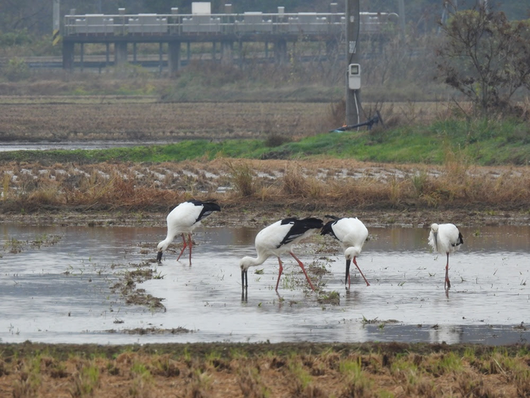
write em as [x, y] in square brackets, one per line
[85, 145]
[60, 291]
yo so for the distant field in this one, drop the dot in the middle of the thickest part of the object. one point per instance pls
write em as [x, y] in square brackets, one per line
[80, 119]
[130, 118]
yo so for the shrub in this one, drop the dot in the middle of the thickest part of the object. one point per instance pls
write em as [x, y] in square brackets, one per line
[16, 70]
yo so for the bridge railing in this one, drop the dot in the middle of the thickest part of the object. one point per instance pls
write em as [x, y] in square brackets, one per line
[306, 23]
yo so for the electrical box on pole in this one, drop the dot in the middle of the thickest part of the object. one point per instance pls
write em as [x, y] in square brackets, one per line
[354, 77]
[353, 68]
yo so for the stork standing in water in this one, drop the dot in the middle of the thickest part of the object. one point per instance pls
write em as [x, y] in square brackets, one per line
[277, 239]
[351, 234]
[445, 239]
[183, 219]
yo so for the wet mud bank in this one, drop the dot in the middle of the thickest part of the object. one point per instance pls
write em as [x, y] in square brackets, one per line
[227, 350]
[248, 213]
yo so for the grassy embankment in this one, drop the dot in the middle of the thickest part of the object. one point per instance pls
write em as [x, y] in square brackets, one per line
[479, 143]
[149, 177]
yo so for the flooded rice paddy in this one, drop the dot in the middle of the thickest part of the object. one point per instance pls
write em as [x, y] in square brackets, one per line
[56, 286]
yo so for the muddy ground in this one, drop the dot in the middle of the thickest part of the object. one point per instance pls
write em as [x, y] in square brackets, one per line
[264, 213]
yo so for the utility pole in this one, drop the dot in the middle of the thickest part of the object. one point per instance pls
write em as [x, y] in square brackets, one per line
[56, 22]
[353, 71]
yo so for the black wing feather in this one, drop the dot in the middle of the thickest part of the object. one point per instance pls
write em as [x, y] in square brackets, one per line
[299, 227]
[207, 208]
[327, 229]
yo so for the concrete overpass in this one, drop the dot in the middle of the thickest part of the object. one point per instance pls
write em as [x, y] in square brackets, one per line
[222, 30]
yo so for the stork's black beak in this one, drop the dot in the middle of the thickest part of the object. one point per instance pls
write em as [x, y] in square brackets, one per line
[244, 285]
[244, 279]
[159, 256]
[348, 263]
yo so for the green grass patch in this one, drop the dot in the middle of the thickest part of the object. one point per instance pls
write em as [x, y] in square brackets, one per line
[481, 142]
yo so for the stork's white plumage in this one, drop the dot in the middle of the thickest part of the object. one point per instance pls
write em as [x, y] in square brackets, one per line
[351, 234]
[277, 239]
[182, 220]
[445, 239]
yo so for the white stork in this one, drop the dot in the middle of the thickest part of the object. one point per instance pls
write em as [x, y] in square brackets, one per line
[445, 239]
[351, 234]
[183, 219]
[277, 239]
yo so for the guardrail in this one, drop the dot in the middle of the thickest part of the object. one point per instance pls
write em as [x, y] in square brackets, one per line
[307, 23]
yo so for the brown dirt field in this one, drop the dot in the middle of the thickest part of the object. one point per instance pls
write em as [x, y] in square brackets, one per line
[118, 120]
[263, 370]
[132, 118]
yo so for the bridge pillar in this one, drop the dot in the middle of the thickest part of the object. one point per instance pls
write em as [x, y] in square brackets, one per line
[227, 57]
[173, 57]
[68, 55]
[82, 56]
[107, 54]
[120, 53]
[280, 52]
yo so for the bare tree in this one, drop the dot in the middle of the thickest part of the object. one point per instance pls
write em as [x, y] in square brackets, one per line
[33, 15]
[485, 57]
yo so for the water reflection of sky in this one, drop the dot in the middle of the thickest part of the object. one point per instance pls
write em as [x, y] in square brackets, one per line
[61, 292]
[44, 146]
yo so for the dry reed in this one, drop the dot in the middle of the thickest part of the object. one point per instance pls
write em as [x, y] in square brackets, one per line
[337, 183]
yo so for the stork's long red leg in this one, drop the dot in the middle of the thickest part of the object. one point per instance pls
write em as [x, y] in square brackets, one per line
[303, 269]
[279, 274]
[182, 251]
[355, 262]
[447, 284]
[190, 245]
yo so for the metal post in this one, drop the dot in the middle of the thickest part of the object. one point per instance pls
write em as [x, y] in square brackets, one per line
[353, 97]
